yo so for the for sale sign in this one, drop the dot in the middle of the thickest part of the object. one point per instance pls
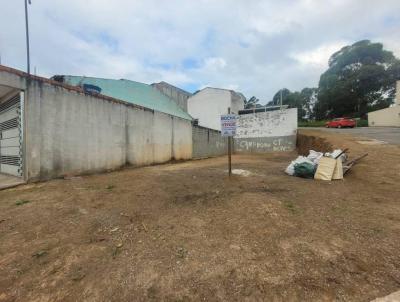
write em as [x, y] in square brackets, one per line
[228, 125]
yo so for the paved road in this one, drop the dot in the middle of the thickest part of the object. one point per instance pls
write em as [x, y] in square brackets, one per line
[389, 135]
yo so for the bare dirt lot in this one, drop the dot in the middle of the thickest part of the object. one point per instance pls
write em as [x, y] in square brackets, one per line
[183, 232]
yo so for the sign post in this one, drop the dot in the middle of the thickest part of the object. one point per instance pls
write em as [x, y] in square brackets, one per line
[228, 128]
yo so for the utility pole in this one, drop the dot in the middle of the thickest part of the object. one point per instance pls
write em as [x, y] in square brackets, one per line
[281, 99]
[229, 150]
[28, 61]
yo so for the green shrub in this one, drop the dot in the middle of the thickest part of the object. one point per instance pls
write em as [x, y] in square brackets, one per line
[312, 123]
[362, 123]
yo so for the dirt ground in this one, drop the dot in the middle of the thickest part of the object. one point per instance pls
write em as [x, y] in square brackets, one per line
[186, 232]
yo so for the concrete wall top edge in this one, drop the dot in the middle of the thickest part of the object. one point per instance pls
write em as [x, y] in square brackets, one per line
[25, 78]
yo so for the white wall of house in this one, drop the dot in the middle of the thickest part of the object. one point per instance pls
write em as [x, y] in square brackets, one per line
[388, 117]
[209, 104]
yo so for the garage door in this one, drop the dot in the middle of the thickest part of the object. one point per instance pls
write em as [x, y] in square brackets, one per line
[10, 136]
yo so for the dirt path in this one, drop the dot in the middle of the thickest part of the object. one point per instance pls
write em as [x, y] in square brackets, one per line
[181, 232]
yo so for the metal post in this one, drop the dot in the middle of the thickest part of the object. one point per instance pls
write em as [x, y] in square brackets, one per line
[230, 150]
[27, 37]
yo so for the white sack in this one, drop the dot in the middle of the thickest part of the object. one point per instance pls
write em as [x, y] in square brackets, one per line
[315, 156]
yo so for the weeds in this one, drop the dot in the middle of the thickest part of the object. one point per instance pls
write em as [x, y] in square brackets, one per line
[39, 254]
[22, 202]
[181, 252]
[110, 187]
[290, 206]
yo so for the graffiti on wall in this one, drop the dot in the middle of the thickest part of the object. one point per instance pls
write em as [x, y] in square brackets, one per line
[267, 124]
[274, 144]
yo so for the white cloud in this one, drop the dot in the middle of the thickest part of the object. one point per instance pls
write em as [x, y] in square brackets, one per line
[255, 46]
[319, 56]
[214, 63]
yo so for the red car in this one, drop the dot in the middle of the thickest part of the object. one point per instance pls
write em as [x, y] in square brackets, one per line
[342, 122]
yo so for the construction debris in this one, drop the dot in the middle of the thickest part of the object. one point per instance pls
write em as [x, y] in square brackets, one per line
[317, 165]
[325, 168]
[347, 166]
[338, 171]
[305, 170]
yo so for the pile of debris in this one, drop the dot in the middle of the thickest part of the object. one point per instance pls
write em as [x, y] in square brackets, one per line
[317, 165]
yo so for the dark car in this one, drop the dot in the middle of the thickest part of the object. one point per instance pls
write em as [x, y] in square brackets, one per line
[342, 122]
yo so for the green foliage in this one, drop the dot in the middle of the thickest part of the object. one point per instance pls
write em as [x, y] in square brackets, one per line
[251, 103]
[362, 123]
[110, 187]
[289, 205]
[360, 78]
[303, 101]
[320, 123]
[21, 202]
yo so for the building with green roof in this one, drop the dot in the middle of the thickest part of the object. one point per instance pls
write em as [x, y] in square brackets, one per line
[129, 91]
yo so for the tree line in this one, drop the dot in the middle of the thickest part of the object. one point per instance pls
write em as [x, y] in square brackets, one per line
[360, 78]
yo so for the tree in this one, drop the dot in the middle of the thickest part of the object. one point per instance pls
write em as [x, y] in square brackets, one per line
[309, 97]
[360, 78]
[251, 103]
[285, 93]
[304, 101]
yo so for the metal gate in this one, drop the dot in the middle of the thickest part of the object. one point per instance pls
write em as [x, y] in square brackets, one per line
[11, 136]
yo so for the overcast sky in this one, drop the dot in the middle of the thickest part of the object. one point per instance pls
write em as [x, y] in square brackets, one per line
[253, 46]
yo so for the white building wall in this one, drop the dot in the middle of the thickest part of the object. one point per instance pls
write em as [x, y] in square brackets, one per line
[267, 131]
[267, 124]
[210, 103]
[388, 117]
[237, 103]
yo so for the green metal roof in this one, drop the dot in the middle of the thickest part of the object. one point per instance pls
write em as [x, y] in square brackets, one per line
[132, 92]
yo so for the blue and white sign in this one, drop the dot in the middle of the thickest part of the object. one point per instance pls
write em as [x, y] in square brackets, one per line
[228, 125]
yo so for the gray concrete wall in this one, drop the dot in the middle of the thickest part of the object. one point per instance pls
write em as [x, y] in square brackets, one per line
[208, 142]
[182, 138]
[68, 132]
[178, 95]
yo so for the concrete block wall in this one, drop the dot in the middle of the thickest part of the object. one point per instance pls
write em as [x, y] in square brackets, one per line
[208, 142]
[68, 132]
